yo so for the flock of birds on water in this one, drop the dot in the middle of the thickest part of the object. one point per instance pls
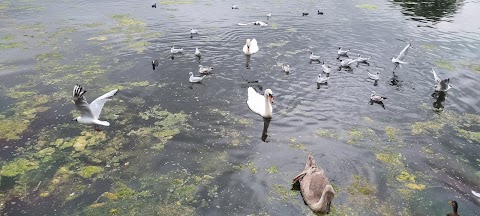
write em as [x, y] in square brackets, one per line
[313, 183]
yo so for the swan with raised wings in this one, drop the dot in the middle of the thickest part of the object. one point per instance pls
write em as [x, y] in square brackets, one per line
[250, 47]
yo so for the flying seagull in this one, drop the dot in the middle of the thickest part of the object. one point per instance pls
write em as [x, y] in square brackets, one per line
[89, 113]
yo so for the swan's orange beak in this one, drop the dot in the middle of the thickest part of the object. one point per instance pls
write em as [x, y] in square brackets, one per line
[270, 97]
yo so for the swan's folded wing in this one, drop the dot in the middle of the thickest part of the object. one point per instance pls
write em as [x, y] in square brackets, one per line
[97, 105]
[245, 49]
[253, 46]
[255, 101]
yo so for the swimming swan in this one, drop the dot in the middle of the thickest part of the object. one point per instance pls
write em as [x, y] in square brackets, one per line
[250, 47]
[317, 192]
[260, 104]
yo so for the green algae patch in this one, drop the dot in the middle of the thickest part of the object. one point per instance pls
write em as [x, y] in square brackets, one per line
[250, 166]
[464, 125]
[277, 44]
[298, 146]
[139, 46]
[272, 170]
[93, 25]
[362, 186]
[354, 136]
[391, 133]
[330, 134]
[126, 85]
[89, 171]
[98, 38]
[9, 37]
[18, 167]
[12, 128]
[166, 126]
[428, 46]
[474, 67]
[85, 139]
[367, 6]
[10, 45]
[390, 159]
[127, 24]
[444, 64]
[283, 193]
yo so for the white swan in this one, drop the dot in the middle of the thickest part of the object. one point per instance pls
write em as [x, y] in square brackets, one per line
[314, 57]
[197, 52]
[442, 85]
[173, 50]
[260, 104]
[399, 60]
[250, 47]
[195, 79]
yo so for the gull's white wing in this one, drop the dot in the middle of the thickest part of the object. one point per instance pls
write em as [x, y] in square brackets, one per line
[435, 76]
[404, 52]
[81, 103]
[97, 105]
[475, 193]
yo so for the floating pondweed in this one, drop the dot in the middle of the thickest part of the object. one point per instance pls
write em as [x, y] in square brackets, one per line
[367, 6]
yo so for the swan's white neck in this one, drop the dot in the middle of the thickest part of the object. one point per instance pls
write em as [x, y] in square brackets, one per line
[268, 106]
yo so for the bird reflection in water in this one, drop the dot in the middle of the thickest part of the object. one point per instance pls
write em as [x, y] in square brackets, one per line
[440, 98]
[266, 123]
[247, 61]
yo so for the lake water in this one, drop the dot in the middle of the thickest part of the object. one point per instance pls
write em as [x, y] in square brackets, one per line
[179, 149]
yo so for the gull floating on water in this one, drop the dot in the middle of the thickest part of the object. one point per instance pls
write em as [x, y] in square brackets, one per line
[342, 52]
[375, 77]
[173, 50]
[235, 7]
[204, 69]
[260, 23]
[195, 79]
[197, 52]
[250, 47]
[361, 59]
[400, 58]
[285, 67]
[377, 99]
[322, 79]
[347, 62]
[314, 57]
[442, 85]
[154, 5]
[319, 12]
[304, 14]
[89, 113]
[193, 31]
[326, 69]
[269, 15]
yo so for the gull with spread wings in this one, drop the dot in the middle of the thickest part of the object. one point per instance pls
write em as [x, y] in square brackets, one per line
[89, 113]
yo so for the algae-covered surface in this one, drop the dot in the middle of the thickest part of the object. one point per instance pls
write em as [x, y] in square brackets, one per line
[173, 148]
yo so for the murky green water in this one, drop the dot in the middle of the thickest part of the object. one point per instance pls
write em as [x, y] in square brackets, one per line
[179, 149]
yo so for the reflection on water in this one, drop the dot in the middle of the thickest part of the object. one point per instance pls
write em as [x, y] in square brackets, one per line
[266, 123]
[431, 10]
[439, 99]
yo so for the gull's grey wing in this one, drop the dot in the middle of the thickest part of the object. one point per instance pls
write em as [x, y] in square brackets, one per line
[404, 52]
[435, 76]
[97, 105]
[81, 103]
